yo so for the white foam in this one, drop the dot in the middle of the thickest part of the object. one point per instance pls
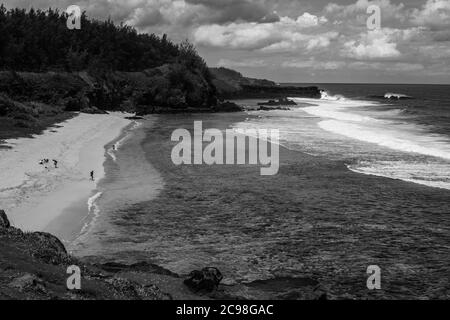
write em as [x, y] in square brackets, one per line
[393, 139]
[93, 211]
[391, 95]
[344, 119]
[436, 175]
[358, 129]
[112, 151]
[324, 95]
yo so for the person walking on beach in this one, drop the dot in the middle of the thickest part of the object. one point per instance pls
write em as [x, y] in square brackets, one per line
[55, 163]
[92, 175]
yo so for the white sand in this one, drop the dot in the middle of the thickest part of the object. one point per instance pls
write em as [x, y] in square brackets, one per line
[32, 195]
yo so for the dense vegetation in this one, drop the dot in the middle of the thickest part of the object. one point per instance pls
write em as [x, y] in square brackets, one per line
[102, 65]
[38, 40]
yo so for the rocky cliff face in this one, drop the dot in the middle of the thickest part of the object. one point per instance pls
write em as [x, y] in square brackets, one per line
[231, 84]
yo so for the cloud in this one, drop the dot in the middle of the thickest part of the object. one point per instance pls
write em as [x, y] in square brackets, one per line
[285, 34]
[434, 14]
[389, 67]
[246, 63]
[376, 44]
[357, 12]
[310, 20]
[313, 64]
[223, 11]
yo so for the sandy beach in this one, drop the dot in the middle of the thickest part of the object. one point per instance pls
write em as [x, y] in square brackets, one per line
[34, 195]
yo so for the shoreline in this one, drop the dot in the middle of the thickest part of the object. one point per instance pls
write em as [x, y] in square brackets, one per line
[35, 196]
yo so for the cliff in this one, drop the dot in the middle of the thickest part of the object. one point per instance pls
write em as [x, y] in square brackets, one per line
[231, 84]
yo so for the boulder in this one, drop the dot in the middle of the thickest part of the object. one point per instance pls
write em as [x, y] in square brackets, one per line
[51, 242]
[4, 222]
[47, 248]
[207, 279]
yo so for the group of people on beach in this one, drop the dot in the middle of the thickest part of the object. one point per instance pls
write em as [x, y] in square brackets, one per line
[45, 163]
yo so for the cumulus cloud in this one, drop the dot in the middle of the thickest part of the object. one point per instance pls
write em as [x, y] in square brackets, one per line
[307, 19]
[223, 11]
[434, 14]
[285, 34]
[376, 44]
[357, 12]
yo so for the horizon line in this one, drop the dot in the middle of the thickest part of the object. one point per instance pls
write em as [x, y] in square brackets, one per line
[366, 83]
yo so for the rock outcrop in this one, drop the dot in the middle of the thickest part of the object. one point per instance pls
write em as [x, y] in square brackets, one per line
[207, 280]
[279, 102]
[231, 84]
[34, 266]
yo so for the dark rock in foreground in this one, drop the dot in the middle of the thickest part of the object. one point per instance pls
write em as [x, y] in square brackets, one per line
[207, 280]
[34, 266]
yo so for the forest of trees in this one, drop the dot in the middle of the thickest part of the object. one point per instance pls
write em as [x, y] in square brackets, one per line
[145, 71]
[39, 41]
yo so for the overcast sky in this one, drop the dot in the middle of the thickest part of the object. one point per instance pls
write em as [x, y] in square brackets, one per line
[294, 40]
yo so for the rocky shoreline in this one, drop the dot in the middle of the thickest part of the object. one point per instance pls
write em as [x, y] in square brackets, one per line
[33, 266]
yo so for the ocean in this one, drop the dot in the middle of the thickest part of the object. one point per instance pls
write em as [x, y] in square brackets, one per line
[314, 218]
[395, 131]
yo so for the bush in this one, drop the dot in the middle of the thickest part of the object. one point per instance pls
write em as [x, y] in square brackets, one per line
[23, 124]
[72, 104]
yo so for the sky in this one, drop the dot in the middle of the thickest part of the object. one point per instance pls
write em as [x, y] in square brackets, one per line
[313, 41]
